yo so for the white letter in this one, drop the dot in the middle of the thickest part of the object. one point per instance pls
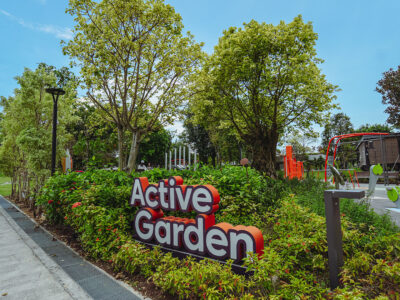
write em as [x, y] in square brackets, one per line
[151, 191]
[216, 237]
[145, 224]
[137, 193]
[176, 232]
[184, 201]
[202, 200]
[193, 237]
[244, 240]
[166, 237]
[171, 194]
[162, 192]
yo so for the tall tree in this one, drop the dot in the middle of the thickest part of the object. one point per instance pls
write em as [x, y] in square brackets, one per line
[94, 139]
[302, 143]
[134, 62]
[338, 124]
[197, 135]
[264, 79]
[154, 147]
[27, 126]
[389, 87]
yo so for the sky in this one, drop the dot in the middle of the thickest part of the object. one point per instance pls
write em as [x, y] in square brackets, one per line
[358, 40]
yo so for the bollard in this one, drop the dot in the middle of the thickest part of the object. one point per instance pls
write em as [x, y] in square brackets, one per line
[334, 231]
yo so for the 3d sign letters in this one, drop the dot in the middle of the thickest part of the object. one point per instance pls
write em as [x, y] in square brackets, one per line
[201, 235]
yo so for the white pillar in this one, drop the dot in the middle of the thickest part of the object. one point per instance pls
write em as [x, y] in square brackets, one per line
[180, 152]
[189, 158]
[184, 152]
[166, 161]
[170, 160]
[195, 158]
[175, 158]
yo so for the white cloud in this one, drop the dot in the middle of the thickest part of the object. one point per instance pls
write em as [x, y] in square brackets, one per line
[59, 32]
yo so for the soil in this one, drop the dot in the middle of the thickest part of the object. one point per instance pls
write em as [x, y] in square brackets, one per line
[144, 286]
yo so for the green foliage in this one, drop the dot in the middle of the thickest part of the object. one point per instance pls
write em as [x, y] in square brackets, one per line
[294, 263]
[154, 146]
[261, 81]
[389, 88]
[26, 125]
[374, 128]
[135, 64]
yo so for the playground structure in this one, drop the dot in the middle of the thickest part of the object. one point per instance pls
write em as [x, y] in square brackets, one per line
[180, 162]
[291, 167]
[344, 136]
[374, 172]
[352, 175]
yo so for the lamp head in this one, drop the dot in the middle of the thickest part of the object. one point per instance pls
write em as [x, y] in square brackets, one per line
[55, 91]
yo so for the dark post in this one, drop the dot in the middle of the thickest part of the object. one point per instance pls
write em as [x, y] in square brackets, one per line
[55, 92]
[334, 232]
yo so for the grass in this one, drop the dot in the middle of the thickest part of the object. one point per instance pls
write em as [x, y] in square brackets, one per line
[5, 189]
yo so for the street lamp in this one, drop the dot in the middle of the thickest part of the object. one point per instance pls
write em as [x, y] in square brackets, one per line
[55, 92]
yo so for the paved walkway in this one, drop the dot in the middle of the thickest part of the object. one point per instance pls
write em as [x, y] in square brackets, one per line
[25, 268]
[33, 265]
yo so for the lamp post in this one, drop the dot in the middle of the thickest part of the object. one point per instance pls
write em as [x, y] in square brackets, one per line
[55, 92]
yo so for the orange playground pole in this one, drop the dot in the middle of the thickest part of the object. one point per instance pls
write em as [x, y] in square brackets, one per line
[355, 175]
[351, 178]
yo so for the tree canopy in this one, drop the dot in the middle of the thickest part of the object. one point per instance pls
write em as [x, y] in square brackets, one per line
[26, 126]
[389, 88]
[135, 63]
[262, 80]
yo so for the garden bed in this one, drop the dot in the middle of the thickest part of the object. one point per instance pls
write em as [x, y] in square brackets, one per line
[95, 205]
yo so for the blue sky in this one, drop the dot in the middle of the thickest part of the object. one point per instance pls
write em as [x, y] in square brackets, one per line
[358, 40]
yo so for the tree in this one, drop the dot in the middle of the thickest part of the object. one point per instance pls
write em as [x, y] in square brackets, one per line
[338, 124]
[135, 64]
[94, 139]
[301, 143]
[389, 87]
[263, 80]
[25, 153]
[374, 128]
[154, 147]
[197, 135]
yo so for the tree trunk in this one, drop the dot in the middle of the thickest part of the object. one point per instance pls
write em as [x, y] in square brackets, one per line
[264, 154]
[121, 152]
[13, 185]
[133, 153]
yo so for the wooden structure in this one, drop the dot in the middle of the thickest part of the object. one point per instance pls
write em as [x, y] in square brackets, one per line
[382, 150]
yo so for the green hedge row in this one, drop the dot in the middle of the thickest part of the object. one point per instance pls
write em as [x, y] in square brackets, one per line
[294, 264]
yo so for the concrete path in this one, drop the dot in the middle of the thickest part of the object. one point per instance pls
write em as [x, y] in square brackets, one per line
[25, 270]
[34, 265]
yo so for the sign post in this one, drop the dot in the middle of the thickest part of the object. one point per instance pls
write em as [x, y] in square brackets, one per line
[334, 232]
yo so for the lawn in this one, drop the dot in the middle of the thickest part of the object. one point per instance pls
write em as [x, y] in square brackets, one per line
[5, 189]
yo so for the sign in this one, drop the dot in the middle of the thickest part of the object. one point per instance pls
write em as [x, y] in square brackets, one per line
[200, 235]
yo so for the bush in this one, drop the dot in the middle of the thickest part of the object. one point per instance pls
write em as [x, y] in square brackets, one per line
[289, 213]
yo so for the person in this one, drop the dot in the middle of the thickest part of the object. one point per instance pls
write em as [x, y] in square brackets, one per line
[141, 166]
